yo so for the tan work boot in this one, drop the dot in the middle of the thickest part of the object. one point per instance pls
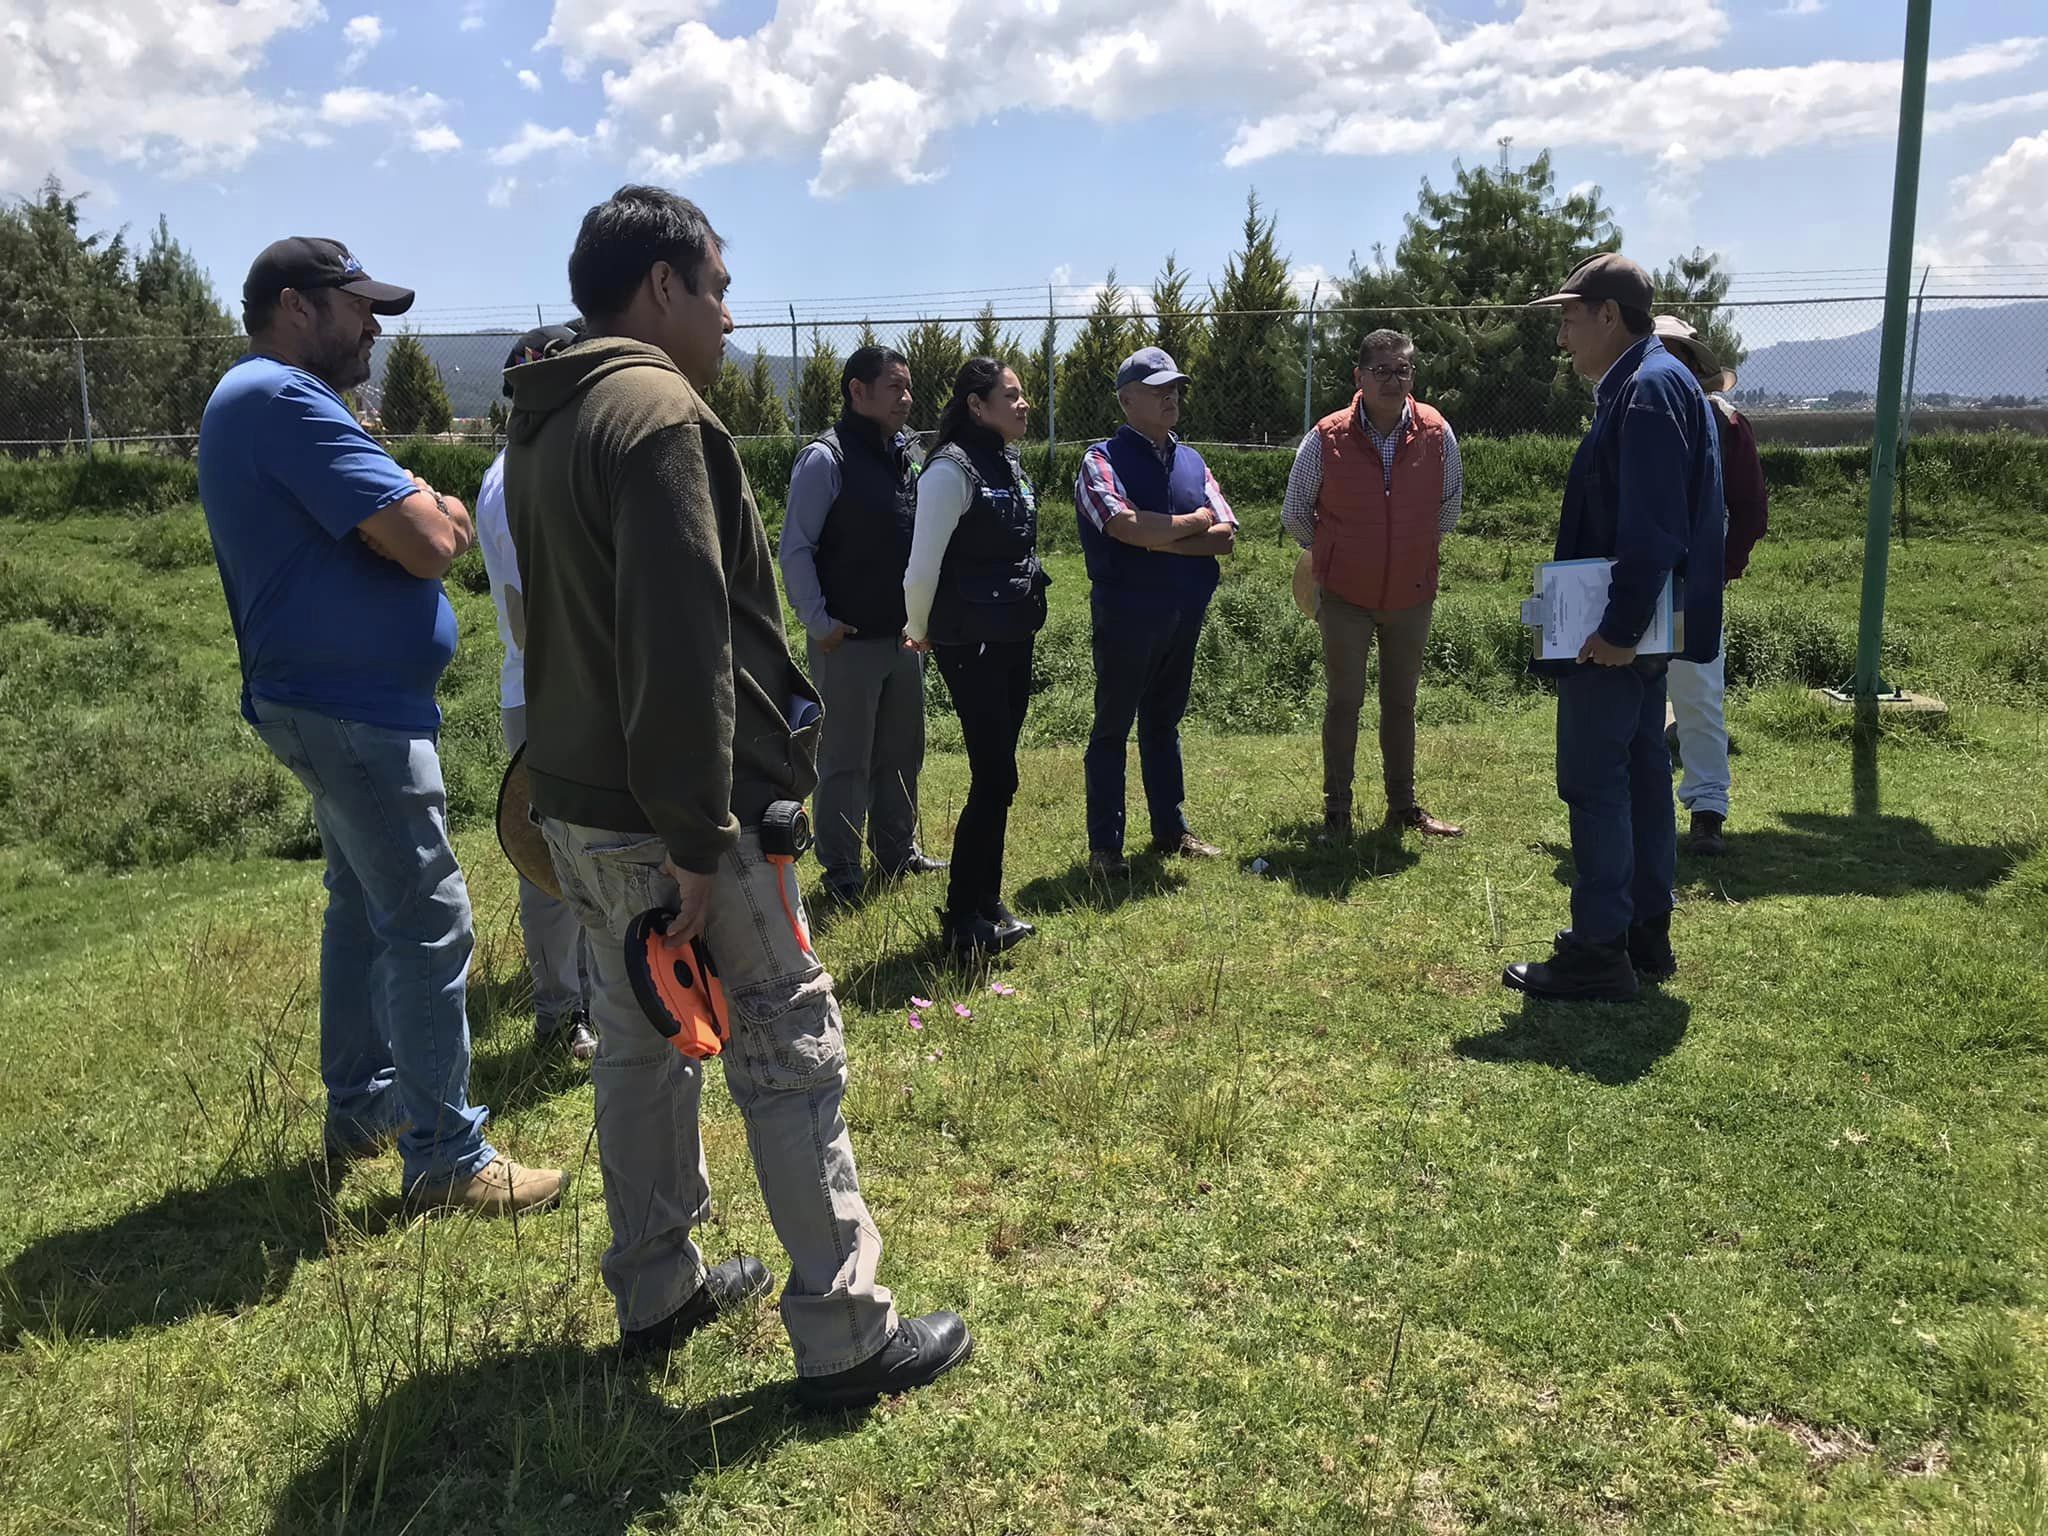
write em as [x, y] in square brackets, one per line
[500, 1188]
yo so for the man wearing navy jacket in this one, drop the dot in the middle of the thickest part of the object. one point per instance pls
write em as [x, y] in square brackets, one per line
[1153, 523]
[1644, 492]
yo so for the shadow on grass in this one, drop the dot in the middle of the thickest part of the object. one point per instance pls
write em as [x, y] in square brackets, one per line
[1815, 854]
[221, 1249]
[560, 1439]
[1612, 1043]
[1331, 872]
[1080, 889]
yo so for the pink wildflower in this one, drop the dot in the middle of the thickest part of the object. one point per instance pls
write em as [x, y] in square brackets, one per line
[920, 1003]
[1002, 989]
[962, 1011]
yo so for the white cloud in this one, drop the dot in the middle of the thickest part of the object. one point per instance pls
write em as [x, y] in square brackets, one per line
[473, 16]
[500, 195]
[1306, 278]
[536, 140]
[528, 80]
[437, 140]
[869, 88]
[1998, 214]
[362, 34]
[1801, 8]
[158, 83]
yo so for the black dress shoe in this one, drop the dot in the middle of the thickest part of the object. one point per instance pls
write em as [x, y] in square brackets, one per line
[971, 938]
[1707, 839]
[917, 864]
[999, 913]
[726, 1286]
[920, 1351]
[1576, 972]
[1649, 949]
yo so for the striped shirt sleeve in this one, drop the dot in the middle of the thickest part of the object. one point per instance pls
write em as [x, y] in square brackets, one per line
[1097, 490]
[1304, 484]
[1454, 484]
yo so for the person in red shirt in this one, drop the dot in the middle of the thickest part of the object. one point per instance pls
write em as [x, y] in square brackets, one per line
[1698, 688]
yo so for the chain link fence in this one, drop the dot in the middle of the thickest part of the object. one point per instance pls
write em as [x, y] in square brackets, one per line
[1807, 371]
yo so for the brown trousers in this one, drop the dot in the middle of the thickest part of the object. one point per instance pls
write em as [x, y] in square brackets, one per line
[1348, 633]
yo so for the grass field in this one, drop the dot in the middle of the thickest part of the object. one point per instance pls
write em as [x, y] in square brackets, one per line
[1269, 1208]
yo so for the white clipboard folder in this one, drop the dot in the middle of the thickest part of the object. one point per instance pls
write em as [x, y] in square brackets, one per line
[1571, 597]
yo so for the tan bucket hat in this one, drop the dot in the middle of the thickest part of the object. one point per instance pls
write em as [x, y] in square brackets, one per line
[1305, 584]
[1683, 342]
[519, 834]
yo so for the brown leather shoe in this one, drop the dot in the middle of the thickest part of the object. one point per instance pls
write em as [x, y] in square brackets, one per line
[1429, 826]
[500, 1188]
[1190, 847]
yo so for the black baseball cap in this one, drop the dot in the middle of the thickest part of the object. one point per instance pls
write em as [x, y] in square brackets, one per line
[1610, 275]
[539, 343]
[305, 262]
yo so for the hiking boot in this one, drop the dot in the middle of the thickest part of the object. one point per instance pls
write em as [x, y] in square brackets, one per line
[1418, 819]
[500, 1188]
[999, 913]
[919, 863]
[572, 1032]
[1109, 864]
[1576, 972]
[844, 890]
[974, 937]
[1189, 846]
[1649, 949]
[1336, 831]
[1707, 839]
[919, 1352]
[726, 1288]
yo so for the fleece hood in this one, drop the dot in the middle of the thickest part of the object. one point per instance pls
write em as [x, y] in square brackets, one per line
[539, 389]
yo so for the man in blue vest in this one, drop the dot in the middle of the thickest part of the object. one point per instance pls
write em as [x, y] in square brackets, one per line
[1153, 524]
[845, 544]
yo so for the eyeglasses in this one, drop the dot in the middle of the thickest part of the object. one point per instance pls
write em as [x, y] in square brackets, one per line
[1392, 370]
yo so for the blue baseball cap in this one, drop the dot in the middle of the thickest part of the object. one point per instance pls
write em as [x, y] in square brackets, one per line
[1148, 365]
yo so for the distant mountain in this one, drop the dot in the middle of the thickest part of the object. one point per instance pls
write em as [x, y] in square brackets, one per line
[1970, 353]
[472, 366]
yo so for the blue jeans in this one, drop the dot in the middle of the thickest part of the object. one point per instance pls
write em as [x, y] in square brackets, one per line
[394, 955]
[1144, 667]
[1614, 773]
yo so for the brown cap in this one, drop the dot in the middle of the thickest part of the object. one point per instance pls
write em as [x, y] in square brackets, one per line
[1610, 275]
[1683, 342]
[519, 835]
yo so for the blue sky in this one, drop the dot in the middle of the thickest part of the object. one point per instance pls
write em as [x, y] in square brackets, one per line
[880, 147]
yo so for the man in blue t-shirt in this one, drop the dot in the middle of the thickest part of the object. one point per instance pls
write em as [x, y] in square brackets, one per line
[331, 557]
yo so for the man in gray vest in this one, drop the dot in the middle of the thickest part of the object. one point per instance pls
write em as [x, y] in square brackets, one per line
[845, 543]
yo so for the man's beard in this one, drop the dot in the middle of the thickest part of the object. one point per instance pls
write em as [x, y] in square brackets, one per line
[343, 365]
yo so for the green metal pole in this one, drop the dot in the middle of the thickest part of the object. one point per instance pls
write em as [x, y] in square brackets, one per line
[1892, 356]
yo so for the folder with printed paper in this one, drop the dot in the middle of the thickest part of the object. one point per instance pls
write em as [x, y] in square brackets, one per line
[1571, 597]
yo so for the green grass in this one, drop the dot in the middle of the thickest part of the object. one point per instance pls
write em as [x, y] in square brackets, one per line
[1270, 1209]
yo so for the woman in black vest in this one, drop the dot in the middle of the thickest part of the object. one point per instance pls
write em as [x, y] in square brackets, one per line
[974, 595]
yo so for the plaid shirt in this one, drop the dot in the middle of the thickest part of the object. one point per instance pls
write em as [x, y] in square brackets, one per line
[1305, 480]
[1100, 494]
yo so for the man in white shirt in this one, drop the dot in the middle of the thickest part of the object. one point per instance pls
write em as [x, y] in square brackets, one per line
[555, 945]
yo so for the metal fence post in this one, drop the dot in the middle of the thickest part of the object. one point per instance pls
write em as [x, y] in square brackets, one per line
[1308, 362]
[1891, 364]
[1906, 411]
[1052, 357]
[84, 391]
[796, 380]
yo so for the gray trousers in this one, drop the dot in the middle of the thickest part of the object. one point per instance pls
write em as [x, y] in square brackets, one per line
[557, 954]
[785, 1067]
[870, 752]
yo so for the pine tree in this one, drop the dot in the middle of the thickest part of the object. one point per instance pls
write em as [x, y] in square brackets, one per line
[991, 340]
[817, 387]
[191, 341]
[1087, 381]
[935, 353]
[767, 416]
[1254, 354]
[1498, 237]
[413, 398]
[1035, 370]
[727, 398]
[868, 338]
[1181, 330]
[1694, 288]
[1355, 305]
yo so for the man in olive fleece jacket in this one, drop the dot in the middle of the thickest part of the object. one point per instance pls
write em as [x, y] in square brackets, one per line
[664, 716]
[657, 572]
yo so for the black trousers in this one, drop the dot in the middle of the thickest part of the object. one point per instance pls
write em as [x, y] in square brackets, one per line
[991, 687]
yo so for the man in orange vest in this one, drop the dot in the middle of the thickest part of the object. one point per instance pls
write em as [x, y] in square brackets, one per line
[1374, 489]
